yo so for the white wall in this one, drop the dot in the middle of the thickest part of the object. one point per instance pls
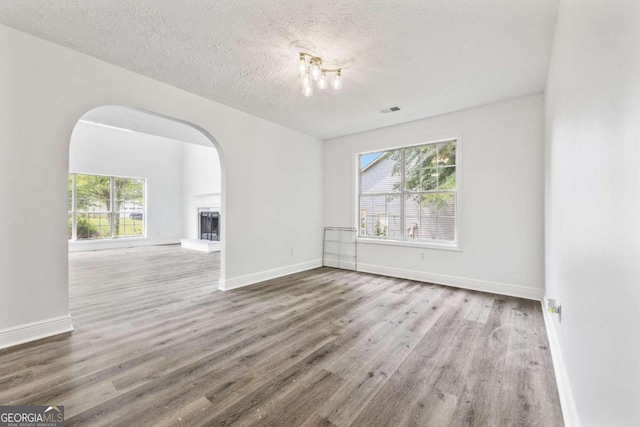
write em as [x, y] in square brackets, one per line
[201, 185]
[501, 223]
[593, 205]
[272, 176]
[100, 150]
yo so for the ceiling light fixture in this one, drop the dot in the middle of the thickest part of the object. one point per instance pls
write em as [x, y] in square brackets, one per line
[311, 70]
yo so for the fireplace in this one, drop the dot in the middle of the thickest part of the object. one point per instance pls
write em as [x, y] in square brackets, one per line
[208, 224]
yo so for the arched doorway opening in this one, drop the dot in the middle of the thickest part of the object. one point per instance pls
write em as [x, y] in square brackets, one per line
[139, 180]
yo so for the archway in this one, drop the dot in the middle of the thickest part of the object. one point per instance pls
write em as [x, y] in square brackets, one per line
[156, 175]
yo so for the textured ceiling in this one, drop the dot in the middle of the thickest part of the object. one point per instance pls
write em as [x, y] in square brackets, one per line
[427, 56]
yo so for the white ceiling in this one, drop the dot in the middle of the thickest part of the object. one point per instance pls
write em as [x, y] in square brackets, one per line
[145, 122]
[427, 56]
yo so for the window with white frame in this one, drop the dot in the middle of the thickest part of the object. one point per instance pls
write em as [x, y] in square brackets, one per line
[105, 207]
[409, 194]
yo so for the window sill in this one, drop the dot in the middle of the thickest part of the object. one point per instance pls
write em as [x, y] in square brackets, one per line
[445, 247]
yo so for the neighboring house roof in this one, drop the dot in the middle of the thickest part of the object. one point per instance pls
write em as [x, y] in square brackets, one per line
[378, 177]
[384, 155]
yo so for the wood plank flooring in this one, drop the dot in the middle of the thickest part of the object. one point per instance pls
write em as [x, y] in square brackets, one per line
[156, 344]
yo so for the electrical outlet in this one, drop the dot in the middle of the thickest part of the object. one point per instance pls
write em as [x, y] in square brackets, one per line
[553, 306]
[422, 256]
[291, 251]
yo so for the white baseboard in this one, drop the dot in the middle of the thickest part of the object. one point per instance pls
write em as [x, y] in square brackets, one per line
[569, 411]
[458, 282]
[250, 279]
[101, 244]
[35, 331]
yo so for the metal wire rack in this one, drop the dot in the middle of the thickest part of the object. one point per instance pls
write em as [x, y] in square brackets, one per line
[339, 248]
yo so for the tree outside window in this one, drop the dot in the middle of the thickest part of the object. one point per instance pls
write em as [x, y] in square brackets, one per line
[102, 207]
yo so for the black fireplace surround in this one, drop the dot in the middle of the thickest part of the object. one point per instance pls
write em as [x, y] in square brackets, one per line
[209, 226]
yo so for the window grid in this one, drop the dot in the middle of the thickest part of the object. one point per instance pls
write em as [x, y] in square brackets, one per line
[120, 196]
[428, 206]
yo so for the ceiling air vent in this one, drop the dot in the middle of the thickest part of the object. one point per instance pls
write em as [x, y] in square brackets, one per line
[390, 110]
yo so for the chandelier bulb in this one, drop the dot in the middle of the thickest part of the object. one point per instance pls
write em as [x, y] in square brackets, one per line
[302, 65]
[337, 81]
[315, 69]
[306, 80]
[322, 81]
[307, 90]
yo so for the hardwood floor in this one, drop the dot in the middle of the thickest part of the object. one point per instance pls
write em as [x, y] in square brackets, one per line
[156, 344]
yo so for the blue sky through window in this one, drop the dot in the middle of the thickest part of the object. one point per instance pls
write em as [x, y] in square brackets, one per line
[366, 159]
